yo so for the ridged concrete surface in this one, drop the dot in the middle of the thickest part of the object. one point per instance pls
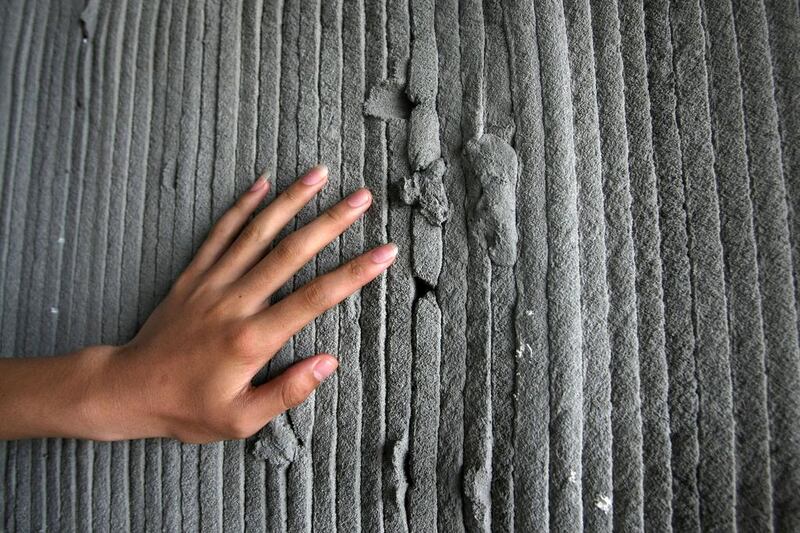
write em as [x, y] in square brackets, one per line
[593, 320]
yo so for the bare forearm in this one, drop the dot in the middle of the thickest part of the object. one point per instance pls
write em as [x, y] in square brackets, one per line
[47, 396]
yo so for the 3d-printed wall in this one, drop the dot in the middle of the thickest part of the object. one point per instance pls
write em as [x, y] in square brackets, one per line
[593, 319]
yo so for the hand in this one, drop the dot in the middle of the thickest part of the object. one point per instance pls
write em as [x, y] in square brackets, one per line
[187, 374]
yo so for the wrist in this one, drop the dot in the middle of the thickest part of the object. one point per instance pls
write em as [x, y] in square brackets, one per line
[94, 409]
[115, 401]
[80, 403]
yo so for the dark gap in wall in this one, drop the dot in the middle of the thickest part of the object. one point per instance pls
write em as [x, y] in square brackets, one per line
[407, 465]
[421, 288]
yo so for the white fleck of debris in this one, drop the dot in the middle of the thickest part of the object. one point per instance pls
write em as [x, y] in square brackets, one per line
[54, 310]
[61, 240]
[523, 348]
[603, 503]
[573, 477]
[529, 312]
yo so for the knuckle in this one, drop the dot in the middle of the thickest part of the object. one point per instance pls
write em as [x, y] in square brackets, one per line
[226, 225]
[334, 215]
[288, 249]
[254, 232]
[244, 339]
[356, 270]
[220, 230]
[292, 393]
[315, 296]
[242, 207]
[182, 283]
[291, 195]
[217, 312]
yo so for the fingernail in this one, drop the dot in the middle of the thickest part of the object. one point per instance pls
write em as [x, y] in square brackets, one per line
[260, 183]
[315, 175]
[324, 368]
[358, 198]
[384, 253]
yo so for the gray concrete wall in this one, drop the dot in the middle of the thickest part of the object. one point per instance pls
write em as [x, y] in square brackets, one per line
[593, 319]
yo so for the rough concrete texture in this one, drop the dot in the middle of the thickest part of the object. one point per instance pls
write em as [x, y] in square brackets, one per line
[592, 322]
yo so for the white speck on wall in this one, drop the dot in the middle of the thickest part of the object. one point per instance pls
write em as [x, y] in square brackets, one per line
[603, 503]
[54, 310]
[61, 240]
[573, 477]
[529, 312]
[524, 347]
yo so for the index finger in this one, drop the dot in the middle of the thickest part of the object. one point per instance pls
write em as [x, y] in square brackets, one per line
[305, 304]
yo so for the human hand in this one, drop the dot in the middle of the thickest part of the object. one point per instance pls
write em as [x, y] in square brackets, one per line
[187, 373]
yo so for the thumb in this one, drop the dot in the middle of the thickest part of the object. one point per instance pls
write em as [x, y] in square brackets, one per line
[291, 387]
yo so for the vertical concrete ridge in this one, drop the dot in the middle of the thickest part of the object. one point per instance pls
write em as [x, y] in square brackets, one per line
[500, 189]
[372, 319]
[74, 453]
[716, 470]
[168, 219]
[531, 391]
[654, 378]
[93, 458]
[597, 482]
[400, 283]
[12, 40]
[783, 22]
[476, 470]
[206, 143]
[119, 501]
[25, 73]
[621, 271]
[422, 515]
[783, 26]
[299, 489]
[679, 332]
[745, 317]
[34, 223]
[285, 171]
[350, 392]
[57, 167]
[565, 332]
[424, 147]
[183, 230]
[776, 274]
[452, 287]
[325, 438]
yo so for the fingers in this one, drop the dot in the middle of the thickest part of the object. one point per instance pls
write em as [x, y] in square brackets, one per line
[291, 388]
[228, 227]
[295, 250]
[256, 237]
[314, 298]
